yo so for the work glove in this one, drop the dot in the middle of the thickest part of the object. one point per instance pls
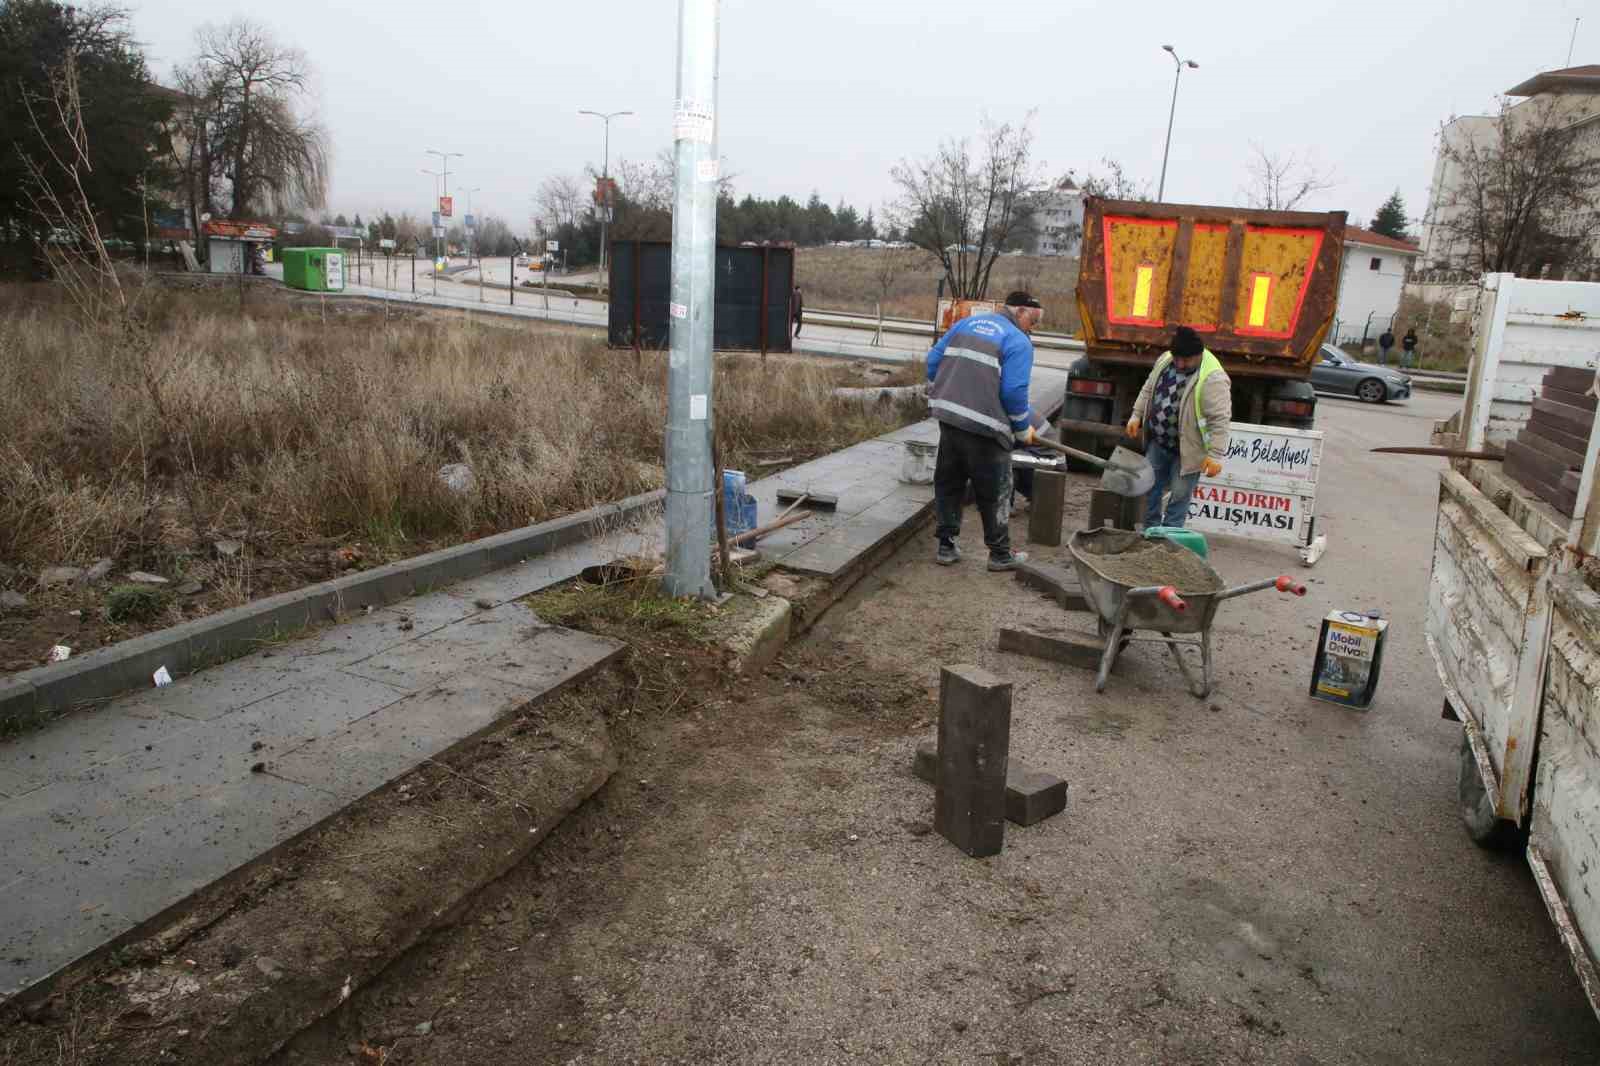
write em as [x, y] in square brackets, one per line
[1133, 427]
[1026, 437]
[1210, 468]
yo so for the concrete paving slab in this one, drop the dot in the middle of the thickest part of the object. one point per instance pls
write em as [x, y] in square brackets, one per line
[428, 612]
[14, 784]
[350, 641]
[49, 921]
[376, 750]
[161, 860]
[840, 548]
[66, 910]
[81, 814]
[548, 659]
[87, 739]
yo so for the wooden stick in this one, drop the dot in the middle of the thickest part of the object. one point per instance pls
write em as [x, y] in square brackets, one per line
[762, 531]
[787, 511]
[1452, 453]
[722, 520]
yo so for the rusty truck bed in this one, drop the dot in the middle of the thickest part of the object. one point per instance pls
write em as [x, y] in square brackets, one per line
[1260, 286]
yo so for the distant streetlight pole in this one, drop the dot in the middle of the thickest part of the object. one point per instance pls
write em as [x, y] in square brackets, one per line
[471, 230]
[605, 187]
[1161, 190]
[434, 213]
[444, 174]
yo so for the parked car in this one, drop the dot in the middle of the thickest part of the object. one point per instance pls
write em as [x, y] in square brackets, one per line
[1347, 376]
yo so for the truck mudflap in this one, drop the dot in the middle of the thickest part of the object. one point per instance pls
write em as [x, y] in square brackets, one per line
[1487, 622]
[1564, 831]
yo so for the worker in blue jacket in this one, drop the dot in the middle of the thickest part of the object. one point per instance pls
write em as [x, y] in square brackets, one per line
[979, 373]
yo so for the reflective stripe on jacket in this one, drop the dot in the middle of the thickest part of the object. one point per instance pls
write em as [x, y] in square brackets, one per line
[1204, 431]
[979, 372]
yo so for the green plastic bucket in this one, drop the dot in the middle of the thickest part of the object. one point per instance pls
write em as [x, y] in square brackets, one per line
[1195, 542]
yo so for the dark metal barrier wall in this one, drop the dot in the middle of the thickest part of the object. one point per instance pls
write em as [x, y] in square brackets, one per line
[747, 319]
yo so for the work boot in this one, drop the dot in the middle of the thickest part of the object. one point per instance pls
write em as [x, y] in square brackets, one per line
[949, 554]
[1010, 562]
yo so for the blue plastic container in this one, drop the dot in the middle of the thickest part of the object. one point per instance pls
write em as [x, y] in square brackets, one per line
[738, 506]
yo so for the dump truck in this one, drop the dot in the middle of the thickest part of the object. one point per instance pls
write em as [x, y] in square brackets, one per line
[1513, 618]
[1259, 286]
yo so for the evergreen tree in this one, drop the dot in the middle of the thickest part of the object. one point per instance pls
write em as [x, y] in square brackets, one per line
[1391, 218]
[123, 112]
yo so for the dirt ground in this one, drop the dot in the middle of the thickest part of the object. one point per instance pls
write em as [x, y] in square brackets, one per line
[1251, 878]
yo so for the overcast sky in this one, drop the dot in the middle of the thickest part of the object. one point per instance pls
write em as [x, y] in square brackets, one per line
[827, 95]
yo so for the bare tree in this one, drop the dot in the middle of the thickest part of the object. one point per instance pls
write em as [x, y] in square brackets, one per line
[1114, 183]
[250, 86]
[559, 201]
[73, 245]
[1282, 183]
[890, 266]
[965, 208]
[1526, 191]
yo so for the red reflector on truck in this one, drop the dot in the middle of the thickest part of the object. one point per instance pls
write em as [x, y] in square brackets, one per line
[1090, 387]
[1292, 408]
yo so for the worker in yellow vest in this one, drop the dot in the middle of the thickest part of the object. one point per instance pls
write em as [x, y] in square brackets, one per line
[1183, 413]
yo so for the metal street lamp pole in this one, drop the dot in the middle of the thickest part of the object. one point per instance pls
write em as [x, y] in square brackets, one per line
[444, 158]
[471, 232]
[690, 420]
[1161, 189]
[435, 268]
[605, 174]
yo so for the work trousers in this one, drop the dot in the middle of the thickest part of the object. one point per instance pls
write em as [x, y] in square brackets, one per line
[980, 460]
[1167, 464]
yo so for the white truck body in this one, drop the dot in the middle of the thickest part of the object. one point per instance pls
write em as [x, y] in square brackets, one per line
[1512, 623]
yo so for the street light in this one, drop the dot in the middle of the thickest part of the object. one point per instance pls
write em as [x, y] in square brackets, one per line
[1180, 63]
[470, 234]
[434, 270]
[605, 188]
[444, 159]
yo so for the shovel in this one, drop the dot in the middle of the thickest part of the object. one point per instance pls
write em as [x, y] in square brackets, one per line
[1127, 473]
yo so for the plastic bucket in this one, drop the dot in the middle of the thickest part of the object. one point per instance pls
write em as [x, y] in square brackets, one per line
[917, 467]
[1188, 538]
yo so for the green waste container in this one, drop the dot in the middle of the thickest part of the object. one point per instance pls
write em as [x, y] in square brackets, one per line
[314, 269]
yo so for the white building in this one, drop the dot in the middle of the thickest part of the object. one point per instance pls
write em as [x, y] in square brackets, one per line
[1571, 96]
[1058, 224]
[1374, 273]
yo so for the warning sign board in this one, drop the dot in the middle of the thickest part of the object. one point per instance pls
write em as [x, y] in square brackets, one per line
[1268, 486]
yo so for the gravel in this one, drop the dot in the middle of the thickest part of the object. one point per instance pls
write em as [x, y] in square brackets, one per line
[1151, 562]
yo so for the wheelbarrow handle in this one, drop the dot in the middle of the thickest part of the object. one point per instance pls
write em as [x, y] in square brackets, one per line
[1165, 593]
[1283, 583]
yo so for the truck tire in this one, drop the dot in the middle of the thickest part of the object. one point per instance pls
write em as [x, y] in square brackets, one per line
[1486, 829]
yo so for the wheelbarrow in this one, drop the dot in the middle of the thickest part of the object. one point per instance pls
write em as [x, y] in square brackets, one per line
[1121, 608]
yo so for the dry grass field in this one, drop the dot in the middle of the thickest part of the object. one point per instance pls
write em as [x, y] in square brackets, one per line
[853, 279]
[318, 444]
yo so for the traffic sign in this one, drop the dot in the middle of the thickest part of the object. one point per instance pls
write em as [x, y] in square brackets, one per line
[552, 246]
[438, 231]
[471, 221]
[387, 242]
